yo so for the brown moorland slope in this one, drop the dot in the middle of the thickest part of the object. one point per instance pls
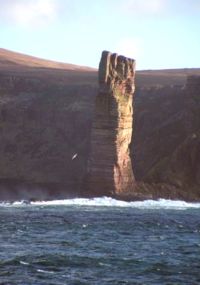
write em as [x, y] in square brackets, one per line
[163, 77]
[10, 58]
[20, 65]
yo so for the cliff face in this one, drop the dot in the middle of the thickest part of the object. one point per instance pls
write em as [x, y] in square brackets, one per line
[109, 167]
[180, 169]
[193, 95]
[42, 126]
[46, 117]
[159, 125]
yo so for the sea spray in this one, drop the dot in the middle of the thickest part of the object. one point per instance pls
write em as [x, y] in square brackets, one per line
[108, 202]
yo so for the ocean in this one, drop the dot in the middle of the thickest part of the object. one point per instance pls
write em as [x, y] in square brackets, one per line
[99, 241]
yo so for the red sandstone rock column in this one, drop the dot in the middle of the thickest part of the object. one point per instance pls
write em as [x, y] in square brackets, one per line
[109, 169]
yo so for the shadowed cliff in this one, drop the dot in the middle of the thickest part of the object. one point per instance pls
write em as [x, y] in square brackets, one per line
[179, 166]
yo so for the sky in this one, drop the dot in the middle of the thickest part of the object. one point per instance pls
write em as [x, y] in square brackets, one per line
[158, 34]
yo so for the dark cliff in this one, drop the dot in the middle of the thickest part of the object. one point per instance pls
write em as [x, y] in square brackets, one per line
[169, 155]
[45, 119]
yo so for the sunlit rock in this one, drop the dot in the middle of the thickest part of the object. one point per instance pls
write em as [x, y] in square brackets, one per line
[109, 169]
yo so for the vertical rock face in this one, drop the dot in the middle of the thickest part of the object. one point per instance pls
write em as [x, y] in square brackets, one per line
[193, 94]
[109, 169]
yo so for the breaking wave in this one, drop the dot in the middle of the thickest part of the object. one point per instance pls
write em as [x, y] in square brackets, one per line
[109, 202]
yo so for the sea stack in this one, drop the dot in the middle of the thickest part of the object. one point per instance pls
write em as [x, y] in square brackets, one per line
[109, 169]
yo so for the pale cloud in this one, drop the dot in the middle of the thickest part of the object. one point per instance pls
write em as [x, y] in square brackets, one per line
[130, 47]
[29, 13]
[144, 6]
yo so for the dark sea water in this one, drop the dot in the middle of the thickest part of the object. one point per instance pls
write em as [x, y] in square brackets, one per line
[100, 241]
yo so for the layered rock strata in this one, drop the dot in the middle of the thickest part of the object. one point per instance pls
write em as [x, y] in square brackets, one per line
[109, 170]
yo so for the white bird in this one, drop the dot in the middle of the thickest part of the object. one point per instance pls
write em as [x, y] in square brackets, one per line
[74, 156]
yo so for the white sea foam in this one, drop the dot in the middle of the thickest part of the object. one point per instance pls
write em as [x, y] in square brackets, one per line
[24, 263]
[109, 202]
[45, 271]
